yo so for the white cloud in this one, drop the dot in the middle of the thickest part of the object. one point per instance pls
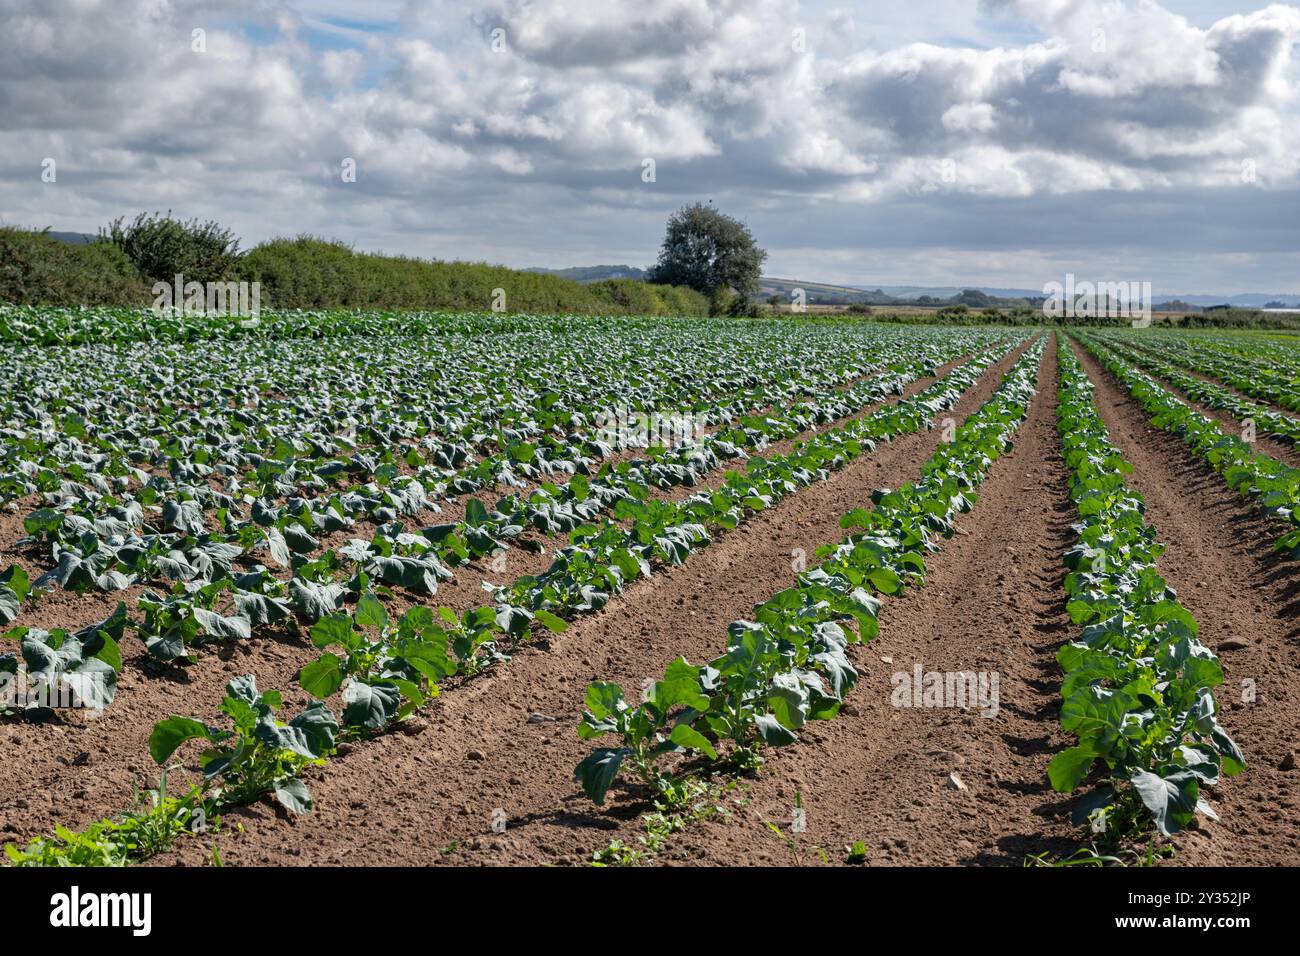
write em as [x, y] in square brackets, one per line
[727, 97]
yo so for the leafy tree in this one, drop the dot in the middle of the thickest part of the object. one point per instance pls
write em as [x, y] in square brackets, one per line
[162, 247]
[710, 252]
[974, 298]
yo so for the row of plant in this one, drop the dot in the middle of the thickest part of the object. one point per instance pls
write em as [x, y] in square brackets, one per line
[1253, 366]
[1273, 486]
[109, 536]
[405, 662]
[227, 603]
[1138, 688]
[1210, 394]
[453, 410]
[790, 665]
[387, 669]
[1277, 353]
[112, 550]
[437, 404]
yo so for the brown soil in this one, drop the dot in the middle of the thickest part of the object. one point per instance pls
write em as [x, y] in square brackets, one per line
[504, 743]
[47, 787]
[405, 799]
[888, 775]
[1219, 562]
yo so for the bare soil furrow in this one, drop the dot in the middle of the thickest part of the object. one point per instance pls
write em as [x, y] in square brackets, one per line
[50, 783]
[506, 740]
[1247, 602]
[940, 785]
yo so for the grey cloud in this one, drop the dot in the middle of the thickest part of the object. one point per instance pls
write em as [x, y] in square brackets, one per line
[533, 157]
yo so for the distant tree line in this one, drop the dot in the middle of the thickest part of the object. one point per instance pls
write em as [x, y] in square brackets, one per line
[122, 264]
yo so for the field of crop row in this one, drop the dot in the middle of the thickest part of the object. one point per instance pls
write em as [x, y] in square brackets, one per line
[424, 588]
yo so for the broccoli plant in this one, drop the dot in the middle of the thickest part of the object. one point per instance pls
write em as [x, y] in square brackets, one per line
[386, 669]
[262, 754]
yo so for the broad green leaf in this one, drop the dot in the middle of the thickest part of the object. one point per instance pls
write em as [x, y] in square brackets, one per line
[685, 736]
[1069, 768]
[598, 771]
[772, 732]
[321, 678]
[294, 796]
[171, 733]
[370, 706]
[371, 612]
[548, 620]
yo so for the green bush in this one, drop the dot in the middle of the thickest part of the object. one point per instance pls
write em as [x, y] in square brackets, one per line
[301, 273]
[36, 269]
[162, 247]
[1238, 318]
[311, 273]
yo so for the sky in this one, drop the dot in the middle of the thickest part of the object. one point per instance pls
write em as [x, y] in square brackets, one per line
[995, 143]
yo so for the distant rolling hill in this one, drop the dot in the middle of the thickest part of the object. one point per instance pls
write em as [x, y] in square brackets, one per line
[829, 293]
[72, 238]
[594, 273]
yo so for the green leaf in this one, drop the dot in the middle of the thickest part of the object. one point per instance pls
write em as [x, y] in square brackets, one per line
[772, 732]
[788, 699]
[321, 678]
[42, 521]
[9, 605]
[598, 771]
[885, 580]
[171, 733]
[335, 629]
[679, 688]
[318, 726]
[278, 547]
[371, 706]
[109, 652]
[1234, 762]
[475, 512]
[17, 581]
[169, 646]
[294, 796]
[549, 621]
[298, 540]
[186, 516]
[371, 612]
[1170, 800]
[243, 688]
[234, 627]
[689, 737]
[604, 699]
[315, 600]
[1068, 768]
[260, 609]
